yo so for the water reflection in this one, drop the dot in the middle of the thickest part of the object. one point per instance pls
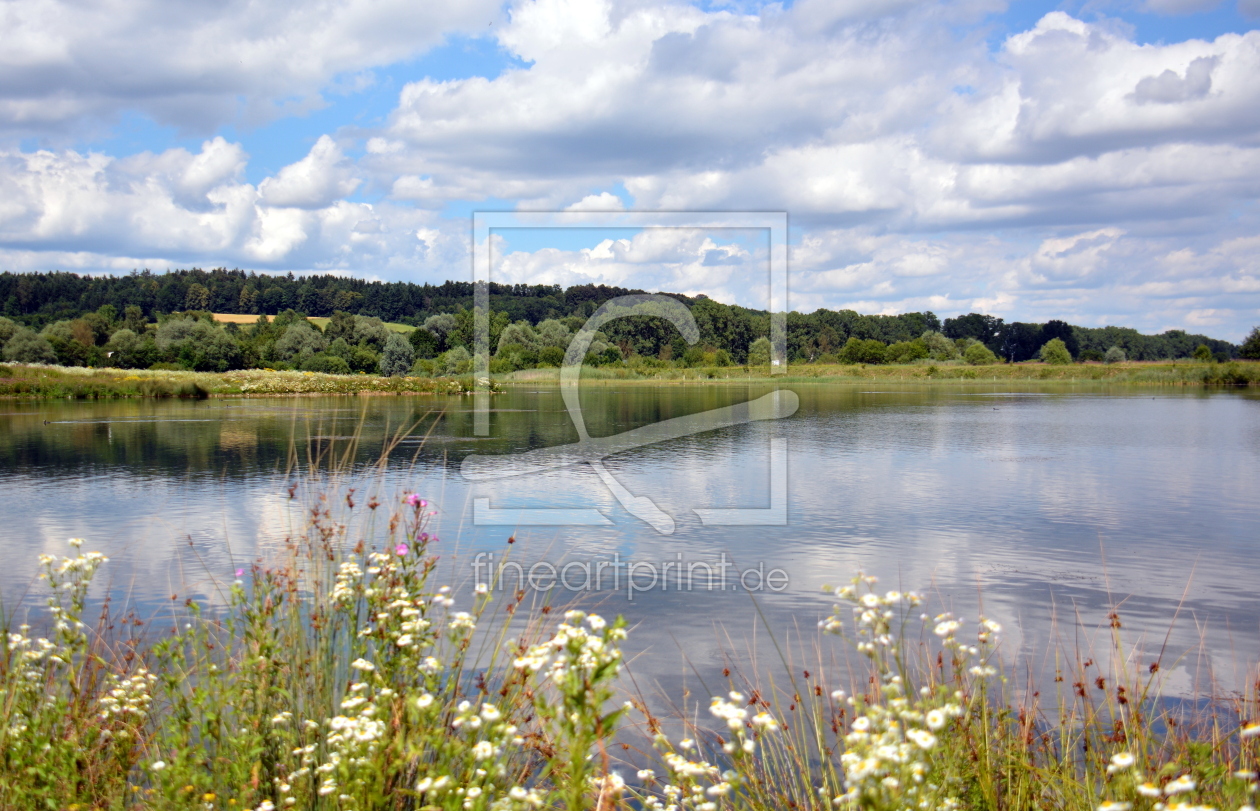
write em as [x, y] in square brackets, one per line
[1046, 504]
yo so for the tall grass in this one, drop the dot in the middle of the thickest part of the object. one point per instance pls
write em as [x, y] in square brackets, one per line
[341, 674]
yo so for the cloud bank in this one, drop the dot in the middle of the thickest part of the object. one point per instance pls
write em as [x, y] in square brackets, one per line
[1067, 170]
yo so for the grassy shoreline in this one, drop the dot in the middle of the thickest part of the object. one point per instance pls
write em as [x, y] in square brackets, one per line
[1159, 373]
[76, 382]
[61, 382]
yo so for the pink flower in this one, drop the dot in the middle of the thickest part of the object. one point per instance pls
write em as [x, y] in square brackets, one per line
[401, 549]
[415, 501]
[240, 572]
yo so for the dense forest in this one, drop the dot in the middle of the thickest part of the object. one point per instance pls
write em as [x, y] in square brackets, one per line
[145, 319]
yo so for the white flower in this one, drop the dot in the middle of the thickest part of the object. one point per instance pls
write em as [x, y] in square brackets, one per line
[1148, 790]
[158, 765]
[1119, 762]
[1114, 807]
[362, 664]
[483, 750]
[424, 700]
[404, 641]
[935, 720]
[1181, 784]
[1250, 731]
[922, 738]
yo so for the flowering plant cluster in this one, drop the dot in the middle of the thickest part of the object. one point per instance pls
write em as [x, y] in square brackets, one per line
[347, 679]
[889, 751]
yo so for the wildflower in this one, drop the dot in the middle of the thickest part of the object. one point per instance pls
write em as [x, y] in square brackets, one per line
[935, 720]
[158, 765]
[765, 721]
[415, 501]
[401, 550]
[1181, 784]
[425, 700]
[404, 641]
[1148, 790]
[76, 542]
[1114, 807]
[483, 750]
[362, 664]
[1119, 762]
[481, 588]
[922, 738]
[1250, 731]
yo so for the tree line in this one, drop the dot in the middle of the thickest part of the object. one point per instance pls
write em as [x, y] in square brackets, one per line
[144, 319]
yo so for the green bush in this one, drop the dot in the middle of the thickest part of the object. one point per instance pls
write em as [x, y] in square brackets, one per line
[938, 346]
[857, 350]
[1115, 355]
[907, 351]
[397, 357]
[1250, 348]
[24, 346]
[977, 354]
[759, 352]
[1203, 353]
[550, 356]
[326, 363]
[1055, 352]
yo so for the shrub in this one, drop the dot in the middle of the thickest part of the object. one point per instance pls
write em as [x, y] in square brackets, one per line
[326, 363]
[26, 347]
[1250, 348]
[300, 340]
[759, 352]
[978, 354]
[1055, 353]
[939, 347]
[857, 350]
[547, 356]
[1115, 355]
[1203, 353]
[397, 357]
[907, 351]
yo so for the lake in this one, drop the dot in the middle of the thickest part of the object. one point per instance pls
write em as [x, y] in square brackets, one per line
[1046, 504]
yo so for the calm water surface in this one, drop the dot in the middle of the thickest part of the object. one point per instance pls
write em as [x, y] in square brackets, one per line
[1046, 504]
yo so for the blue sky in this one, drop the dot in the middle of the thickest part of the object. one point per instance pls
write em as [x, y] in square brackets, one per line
[1095, 161]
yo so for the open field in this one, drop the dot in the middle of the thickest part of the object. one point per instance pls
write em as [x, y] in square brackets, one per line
[321, 322]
